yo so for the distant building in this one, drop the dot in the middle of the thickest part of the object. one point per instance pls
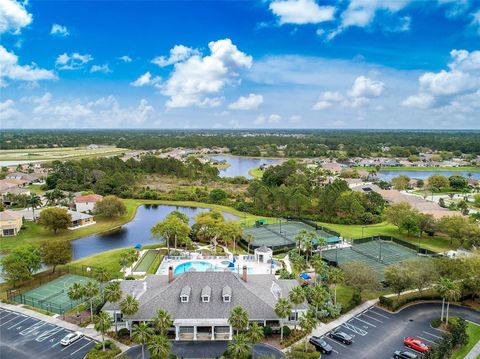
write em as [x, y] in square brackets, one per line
[86, 203]
[10, 223]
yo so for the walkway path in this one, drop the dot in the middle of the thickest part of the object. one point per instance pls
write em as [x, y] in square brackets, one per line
[286, 260]
[474, 353]
[91, 333]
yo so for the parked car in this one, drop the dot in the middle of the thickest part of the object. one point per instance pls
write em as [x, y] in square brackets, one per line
[399, 354]
[321, 345]
[341, 337]
[71, 338]
[416, 344]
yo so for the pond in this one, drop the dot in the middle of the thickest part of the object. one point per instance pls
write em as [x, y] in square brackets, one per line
[239, 166]
[135, 232]
[388, 175]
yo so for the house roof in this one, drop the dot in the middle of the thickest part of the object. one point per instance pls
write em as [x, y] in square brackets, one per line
[257, 296]
[263, 249]
[9, 215]
[88, 198]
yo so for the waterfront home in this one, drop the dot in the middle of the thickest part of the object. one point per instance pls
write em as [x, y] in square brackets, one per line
[10, 223]
[79, 219]
[200, 303]
[86, 203]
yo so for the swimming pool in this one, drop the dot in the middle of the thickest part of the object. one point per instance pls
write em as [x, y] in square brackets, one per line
[201, 266]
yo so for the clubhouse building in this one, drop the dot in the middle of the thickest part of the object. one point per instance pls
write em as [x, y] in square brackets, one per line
[200, 302]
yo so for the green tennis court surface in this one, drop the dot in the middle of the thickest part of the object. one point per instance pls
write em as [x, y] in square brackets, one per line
[281, 234]
[53, 296]
[146, 261]
[377, 254]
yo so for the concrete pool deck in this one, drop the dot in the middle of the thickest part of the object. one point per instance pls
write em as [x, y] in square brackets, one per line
[253, 266]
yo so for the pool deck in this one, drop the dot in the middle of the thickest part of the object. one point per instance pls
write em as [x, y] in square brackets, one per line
[253, 266]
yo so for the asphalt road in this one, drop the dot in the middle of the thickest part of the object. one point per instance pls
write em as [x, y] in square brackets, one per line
[24, 337]
[377, 333]
[213, 349]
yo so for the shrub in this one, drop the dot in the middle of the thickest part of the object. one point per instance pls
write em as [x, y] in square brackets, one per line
[436, 323]
[356, 299]
[298, 352]
[111, 351]
[267, 331]
[394, 303]
[286, 331]
[124, 332]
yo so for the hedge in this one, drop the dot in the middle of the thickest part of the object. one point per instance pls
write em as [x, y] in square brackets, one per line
[393, 303]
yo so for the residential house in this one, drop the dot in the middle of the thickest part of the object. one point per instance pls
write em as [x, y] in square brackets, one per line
[29, 178]
[200, 303]
[10, 223]
[86, 203]
[79, 219]
[6, 193]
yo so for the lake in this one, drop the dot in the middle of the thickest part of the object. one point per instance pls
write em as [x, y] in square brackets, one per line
[239, 166]
[134, 232]
[388, 175]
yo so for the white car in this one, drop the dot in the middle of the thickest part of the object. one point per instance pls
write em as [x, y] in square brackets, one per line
[71, 338]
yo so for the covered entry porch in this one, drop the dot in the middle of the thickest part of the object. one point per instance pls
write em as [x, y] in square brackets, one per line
[202, 329]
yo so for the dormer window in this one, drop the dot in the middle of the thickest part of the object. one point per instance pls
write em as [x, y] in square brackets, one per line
[185, 294]
[227, 294]
[206, 293]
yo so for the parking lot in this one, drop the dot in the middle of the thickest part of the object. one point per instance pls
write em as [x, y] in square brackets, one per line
[24, 337]
[377, 333]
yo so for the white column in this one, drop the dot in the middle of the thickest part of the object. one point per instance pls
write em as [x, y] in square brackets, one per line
[230, 335]
[194, 332]
[213, 332]
[177, 332]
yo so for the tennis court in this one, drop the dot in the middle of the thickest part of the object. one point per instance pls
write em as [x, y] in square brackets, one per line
[378, 254]
[281, 234]
[53, 296]
[146, 261]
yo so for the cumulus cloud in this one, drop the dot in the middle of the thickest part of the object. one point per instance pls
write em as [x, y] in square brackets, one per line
[146, 80]
[101, 68]
[8, 110]
[250, 102]
[366, 87]
[74, 61]
[125, 58]
[59, 30]
[263, 120]
[101, 112]
[194, 80]
[11, 70]
[177, 53]
[13, 16]
[439, 89]
[301, 12]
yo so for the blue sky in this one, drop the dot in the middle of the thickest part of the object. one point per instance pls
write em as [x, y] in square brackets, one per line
[240, 64]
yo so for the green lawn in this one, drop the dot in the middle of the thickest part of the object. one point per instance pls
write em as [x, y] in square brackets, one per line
[345, 293]
[436, 243]
[35, 188]
[109, 259]
[256, 172]
[473, 331]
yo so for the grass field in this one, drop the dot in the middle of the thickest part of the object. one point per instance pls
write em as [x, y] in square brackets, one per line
[146, 261]
[256, 172]
[473, 332]
[63, 153]
[435, 243]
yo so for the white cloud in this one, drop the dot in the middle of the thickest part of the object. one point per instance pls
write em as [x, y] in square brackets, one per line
[193, 81]
[250, 102]
[272, 119]
[295, 119]
[101, 68]
[327, 99]
[11, 70]
[443, 88]
[301, 12]
[125, 58]
[13, 16]
[59, 30]
[366, 87]
[146, 79]
[74, 61]
[177, 54]
[8, 110]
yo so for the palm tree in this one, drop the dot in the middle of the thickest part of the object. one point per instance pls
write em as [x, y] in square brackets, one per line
[255, 334]
[162, 321]
[103, 322]
[101, 274]
[141, 335]
[283, 308]
[239, 347]
[318, 265]
[129, 306]
[452, 294]
[308, 322]
[113, 293]
[442, 287]
[297, 297]
[90, 291]
[249, 238]
[34, 201]
[238, 318]
[335, 277]
[318, 296]
[50, 196]
[75, 292]
[159, 346]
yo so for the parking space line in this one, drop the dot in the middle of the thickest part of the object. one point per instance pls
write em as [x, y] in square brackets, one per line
[32, 328]
[81, 348]
[60, 338]
[355, 329]
[363, 321]
[8, 321]
[427, 340]
[335, 342]
[433, 335]
[8, 313]
[47, 334]
[380, 315]
[71, 345]
[27, 318]
[378, 320]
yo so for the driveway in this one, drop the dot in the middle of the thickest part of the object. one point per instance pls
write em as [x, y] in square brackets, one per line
[213, 349]
[25, 337]
[377, 333]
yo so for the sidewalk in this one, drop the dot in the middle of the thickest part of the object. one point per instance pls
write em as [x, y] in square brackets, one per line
[91, 333]
[474, 353]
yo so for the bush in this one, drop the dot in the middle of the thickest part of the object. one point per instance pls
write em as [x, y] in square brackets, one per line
[124, 332]
[111, 351]
[394, 303]
[356, 299]
[267, 331]
[436, 323]
[298, 352]
[286, 331]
